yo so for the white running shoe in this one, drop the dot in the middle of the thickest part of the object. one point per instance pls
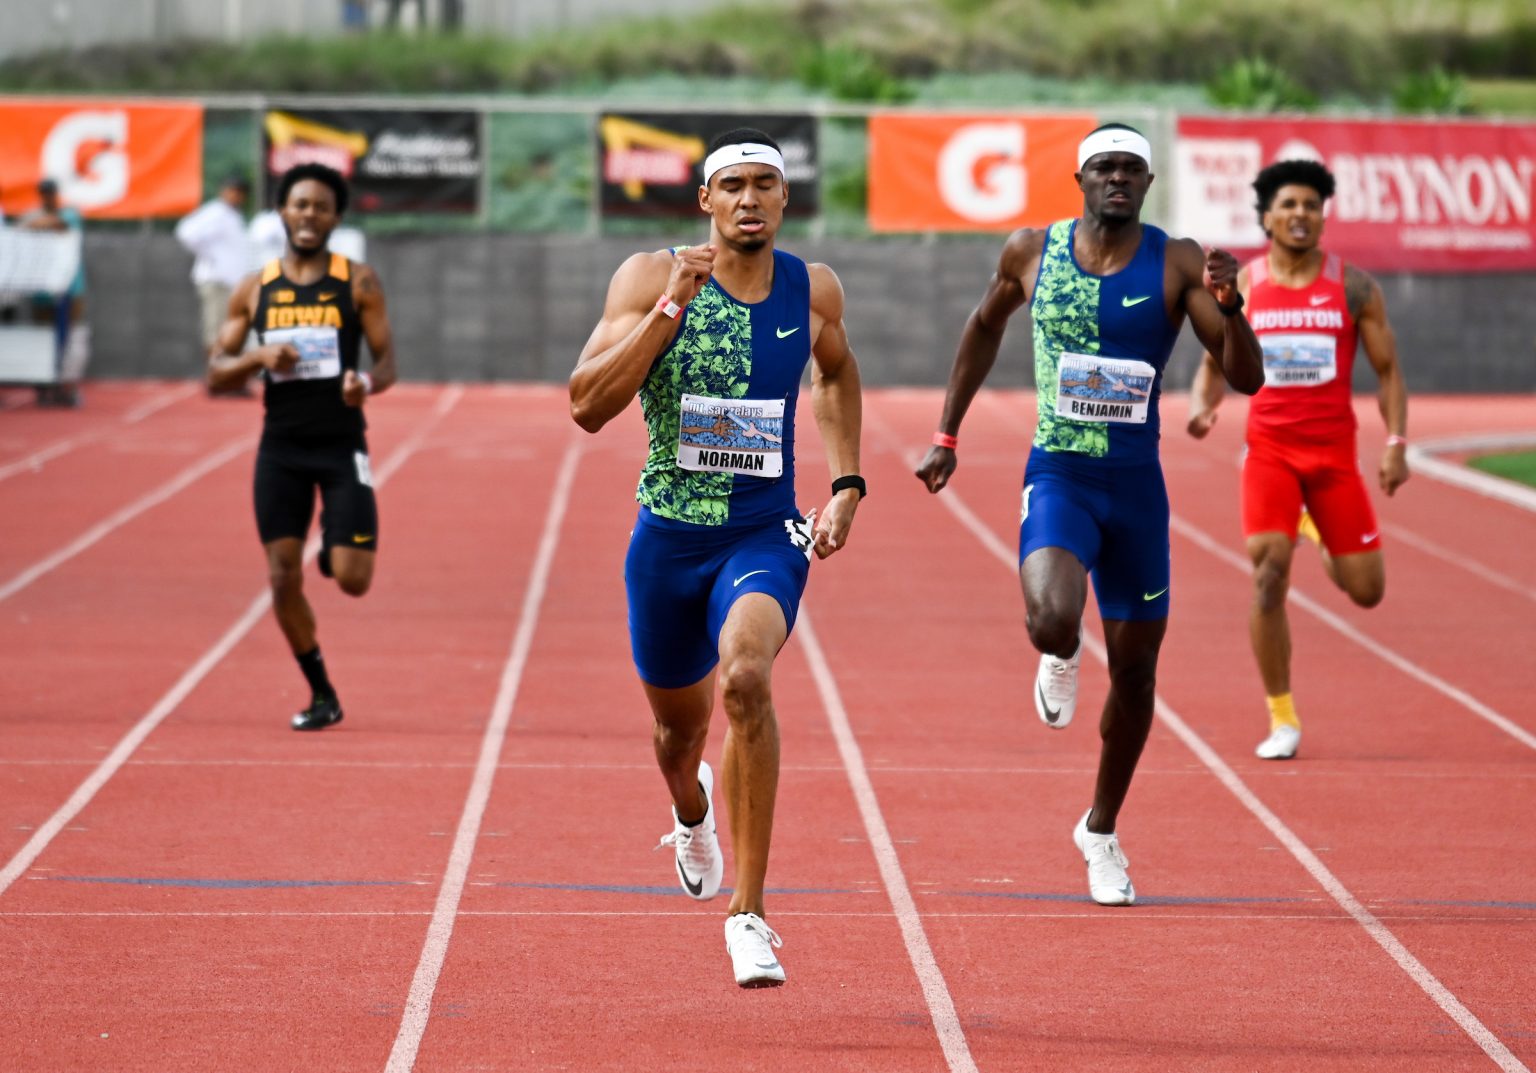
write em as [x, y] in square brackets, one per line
[1281, 743]
[750, 942]
[700, 864]
[1056, 687]
[1107, 881]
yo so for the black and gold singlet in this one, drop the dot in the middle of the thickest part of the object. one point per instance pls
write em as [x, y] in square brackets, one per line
[321, 321]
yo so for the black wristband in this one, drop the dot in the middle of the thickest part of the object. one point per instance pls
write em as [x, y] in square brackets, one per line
[853, 480]
[1234, 309]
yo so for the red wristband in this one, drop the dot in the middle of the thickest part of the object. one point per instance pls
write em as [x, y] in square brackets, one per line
[944, 439]
[667, 307]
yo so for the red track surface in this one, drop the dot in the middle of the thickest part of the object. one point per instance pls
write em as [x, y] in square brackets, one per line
[228, 895]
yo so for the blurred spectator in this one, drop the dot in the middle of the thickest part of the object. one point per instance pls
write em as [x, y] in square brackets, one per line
[268, 239]
[215, 236]
[64, 310]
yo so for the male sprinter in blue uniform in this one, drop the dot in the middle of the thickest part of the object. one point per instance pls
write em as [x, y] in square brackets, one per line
[311, 310]
[1108, 295]
[714, 339]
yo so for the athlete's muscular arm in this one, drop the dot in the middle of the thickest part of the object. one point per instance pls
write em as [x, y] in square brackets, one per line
[368, 297]
[1368, 307]
[230, 365]
[838, 404]
[979, 342]
[1206, 392]
[1203, 280]
[633, 332]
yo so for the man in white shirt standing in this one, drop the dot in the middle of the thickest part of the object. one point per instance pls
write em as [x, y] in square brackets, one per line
[215, 235]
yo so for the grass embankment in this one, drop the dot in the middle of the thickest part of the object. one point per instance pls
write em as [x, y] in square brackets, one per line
[1518, 466]
[1341, 55]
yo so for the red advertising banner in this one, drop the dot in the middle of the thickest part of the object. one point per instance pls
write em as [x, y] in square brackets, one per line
[1412, 196]
[973, 172]
[110, 159]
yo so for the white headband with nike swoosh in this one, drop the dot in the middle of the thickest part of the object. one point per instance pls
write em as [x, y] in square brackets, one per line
[1113, 140]
[742, 153]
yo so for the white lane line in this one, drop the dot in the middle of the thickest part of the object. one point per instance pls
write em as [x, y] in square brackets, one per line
[1416, 970]
[1459, 559]
[189, 681]
[1421, 458]
[1376, 648]
[125, 515]
[418, 1004]
[941, 1006]
[36, 460]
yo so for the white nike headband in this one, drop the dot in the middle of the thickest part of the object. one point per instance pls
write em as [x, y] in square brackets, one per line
[742, 153]
[1113, 140]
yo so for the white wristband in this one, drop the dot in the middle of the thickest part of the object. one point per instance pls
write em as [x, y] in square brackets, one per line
[367, 379]
[667, 307]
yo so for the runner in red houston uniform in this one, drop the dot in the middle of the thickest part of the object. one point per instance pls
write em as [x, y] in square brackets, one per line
[1300, 471]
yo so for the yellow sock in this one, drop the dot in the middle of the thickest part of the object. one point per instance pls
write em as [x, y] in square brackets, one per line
[1306, 527]
[1282, 712]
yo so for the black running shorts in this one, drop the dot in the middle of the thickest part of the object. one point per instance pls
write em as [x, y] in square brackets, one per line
[289, 471]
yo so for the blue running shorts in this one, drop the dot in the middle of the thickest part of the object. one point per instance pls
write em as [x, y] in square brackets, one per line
[1114, 518]
[683, 579]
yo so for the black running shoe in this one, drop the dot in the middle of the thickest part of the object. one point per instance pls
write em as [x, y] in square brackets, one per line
[323, 560]
[321, 713]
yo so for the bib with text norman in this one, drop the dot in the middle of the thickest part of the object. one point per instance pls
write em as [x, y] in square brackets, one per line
[1299, 359]
[1109, 390]
[319, 353]
[744, 436]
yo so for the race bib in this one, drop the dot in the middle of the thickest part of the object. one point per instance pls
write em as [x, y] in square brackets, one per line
[743, 436]
[1298, 359]
[1111, 390]
[319, 353]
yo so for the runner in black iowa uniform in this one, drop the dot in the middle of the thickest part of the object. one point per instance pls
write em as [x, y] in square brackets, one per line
[311, 311]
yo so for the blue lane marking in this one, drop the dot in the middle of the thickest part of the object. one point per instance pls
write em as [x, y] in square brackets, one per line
[1153, 899]
[671, 891]
[665, 892]
[228, 884]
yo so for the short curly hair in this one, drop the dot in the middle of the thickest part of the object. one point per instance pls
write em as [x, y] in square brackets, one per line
[1290, 173]
[320, 173]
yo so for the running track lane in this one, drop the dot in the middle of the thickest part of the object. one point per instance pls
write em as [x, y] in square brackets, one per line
[992, 485]
[913, 751]
[316, 856]
[574, 947]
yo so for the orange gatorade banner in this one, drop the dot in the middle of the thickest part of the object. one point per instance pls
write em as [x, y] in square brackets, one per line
[973, 172]
[111, 159]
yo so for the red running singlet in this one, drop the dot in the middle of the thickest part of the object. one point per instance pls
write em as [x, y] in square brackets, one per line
[1308, 338]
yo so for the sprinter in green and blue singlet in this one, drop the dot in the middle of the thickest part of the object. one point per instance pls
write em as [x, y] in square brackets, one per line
[720, 552]
[1108, 295]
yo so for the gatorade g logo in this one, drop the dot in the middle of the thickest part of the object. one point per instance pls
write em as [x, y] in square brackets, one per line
[86, 152]
[981, 172]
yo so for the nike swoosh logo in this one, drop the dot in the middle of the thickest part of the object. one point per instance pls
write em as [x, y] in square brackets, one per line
[361, 538]
[744, 577]
[1368, 537]
[768, 965]
[1319, 299]
[326, 297]
[785, 335]
[1154, 595]
[693, 888]
[754, 152]
[1128, 302]
[1051, 714]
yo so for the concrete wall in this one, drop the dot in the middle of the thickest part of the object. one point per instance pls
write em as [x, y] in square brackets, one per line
[32, 25]
[519, 307]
